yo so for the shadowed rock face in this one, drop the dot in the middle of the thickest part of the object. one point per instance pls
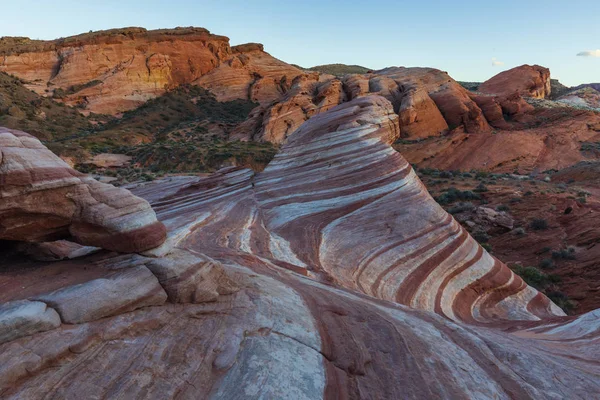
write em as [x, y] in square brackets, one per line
[42, 198]
[305, 264]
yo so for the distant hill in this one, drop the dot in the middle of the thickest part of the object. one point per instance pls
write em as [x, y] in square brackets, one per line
[595, 86]
[340, 69]
[472, 86]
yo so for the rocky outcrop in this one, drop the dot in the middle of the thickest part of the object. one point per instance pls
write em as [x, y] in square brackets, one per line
[328, 189]
[117, 293]
[548, 138]
[586, 97]
[314, 245]
[251, 74]
[526, 80]
[191, 278]
[117, 70]
[42, 199]
[427, 100]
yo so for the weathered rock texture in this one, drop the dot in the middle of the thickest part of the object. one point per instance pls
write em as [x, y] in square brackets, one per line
[427, 100]
[322, 246]
[526, 80]
[24, 318]
[551, 138]
[117, 293]
[54, 251]
[117, 70]
[42, 198]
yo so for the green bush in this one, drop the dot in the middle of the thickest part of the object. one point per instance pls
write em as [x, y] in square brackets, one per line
[534, 277]
[561, 300]
[453, 194]
[538, 224]
[461, 207]
[564, 254]
[481, 188]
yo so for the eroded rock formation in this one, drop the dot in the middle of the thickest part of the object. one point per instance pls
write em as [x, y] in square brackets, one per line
[332, 273]
[117, 70]
[526, 80]
[427, 100]
[42, 199]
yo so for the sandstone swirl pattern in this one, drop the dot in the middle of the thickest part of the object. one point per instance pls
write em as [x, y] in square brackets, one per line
[42, 198]
[339, 204]
[287, 284]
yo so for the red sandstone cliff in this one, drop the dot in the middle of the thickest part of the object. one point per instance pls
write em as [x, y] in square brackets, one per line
[117, 70]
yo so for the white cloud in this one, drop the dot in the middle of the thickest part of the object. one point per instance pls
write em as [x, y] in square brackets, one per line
[589, 53]
[496, 63]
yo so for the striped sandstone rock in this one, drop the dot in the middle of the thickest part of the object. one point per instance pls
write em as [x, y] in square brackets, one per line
[42, 198]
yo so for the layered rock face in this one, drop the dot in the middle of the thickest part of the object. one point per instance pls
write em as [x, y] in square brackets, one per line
[336, 182]
[117, 70]
[526, 80]
[427, 100]
[292, 278]
[114, 71]
[42, 198]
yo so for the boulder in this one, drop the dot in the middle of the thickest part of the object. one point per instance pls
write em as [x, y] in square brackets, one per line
[526, 81]
[43, 199]
[486, 215]
[190, 278]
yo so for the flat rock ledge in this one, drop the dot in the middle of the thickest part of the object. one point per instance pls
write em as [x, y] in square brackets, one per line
[124, 291]
[133, 282]
[23, 318]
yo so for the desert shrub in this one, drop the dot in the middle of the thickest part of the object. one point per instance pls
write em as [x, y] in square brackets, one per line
[461, 207]
[538, 224]
[487, 247]
[534, 277]
[481, 188]
[481, 237]
[561, 300]
[502, 207]
[453, 194]
[564, 254]
[546, 263]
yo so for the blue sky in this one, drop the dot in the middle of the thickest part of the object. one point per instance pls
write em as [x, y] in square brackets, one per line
[461, 37]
